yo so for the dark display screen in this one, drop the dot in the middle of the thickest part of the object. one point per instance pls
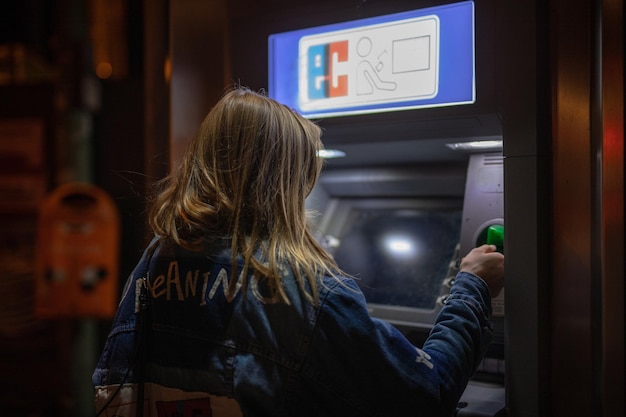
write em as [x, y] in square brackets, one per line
[399, 257]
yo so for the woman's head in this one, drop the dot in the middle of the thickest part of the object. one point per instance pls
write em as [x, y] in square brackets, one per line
[246, 175]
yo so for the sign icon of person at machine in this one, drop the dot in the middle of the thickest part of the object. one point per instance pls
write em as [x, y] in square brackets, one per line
[235, 309]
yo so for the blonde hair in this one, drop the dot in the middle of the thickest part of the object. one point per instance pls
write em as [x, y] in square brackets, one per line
[246, 176]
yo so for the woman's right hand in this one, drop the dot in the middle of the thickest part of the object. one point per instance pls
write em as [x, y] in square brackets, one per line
[487, 264]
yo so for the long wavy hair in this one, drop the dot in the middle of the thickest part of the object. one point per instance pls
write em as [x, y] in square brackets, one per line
[245, 177]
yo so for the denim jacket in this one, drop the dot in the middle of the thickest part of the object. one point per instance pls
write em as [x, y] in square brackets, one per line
[215, 354]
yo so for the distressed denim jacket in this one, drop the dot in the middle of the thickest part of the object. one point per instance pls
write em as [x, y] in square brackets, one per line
[212, 353]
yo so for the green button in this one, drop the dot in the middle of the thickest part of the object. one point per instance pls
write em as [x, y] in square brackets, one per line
[492, 235]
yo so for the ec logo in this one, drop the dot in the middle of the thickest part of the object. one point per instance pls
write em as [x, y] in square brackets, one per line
[324, 81]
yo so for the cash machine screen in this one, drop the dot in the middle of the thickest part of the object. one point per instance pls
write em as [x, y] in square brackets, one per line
[400, 257]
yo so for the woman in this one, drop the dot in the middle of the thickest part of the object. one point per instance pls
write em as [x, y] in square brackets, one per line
[236, 310]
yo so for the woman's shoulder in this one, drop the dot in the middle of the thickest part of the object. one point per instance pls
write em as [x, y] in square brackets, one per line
[338, 285]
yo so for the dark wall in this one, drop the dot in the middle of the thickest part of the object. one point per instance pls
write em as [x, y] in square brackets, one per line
[42, 361]
[119, 164]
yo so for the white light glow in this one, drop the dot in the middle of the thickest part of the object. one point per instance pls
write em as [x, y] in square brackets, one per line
[400, 246]
[330, 153]
[479, 145]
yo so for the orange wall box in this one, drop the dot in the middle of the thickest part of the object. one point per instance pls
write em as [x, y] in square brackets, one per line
[77, 253]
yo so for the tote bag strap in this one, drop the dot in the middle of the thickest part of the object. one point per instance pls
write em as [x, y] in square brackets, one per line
[144, 326]
[138, 361]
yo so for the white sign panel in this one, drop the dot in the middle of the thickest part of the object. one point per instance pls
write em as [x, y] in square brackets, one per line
[390, 62]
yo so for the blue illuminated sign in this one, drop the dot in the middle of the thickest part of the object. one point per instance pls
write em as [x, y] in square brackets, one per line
[417, 59]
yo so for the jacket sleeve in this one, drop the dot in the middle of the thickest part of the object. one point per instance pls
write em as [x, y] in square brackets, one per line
[461, 335]
[367, 367]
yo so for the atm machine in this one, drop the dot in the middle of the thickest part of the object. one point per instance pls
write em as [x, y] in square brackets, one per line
[483, 223]
[406, 201]
[404, 248]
